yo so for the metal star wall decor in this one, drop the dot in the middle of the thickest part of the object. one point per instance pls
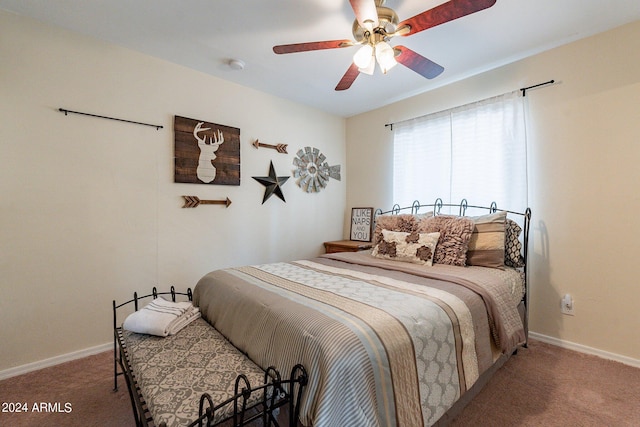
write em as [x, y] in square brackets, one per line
[272, 184]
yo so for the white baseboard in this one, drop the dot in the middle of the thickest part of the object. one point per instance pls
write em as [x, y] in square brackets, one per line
[585, 349]
[30, 367]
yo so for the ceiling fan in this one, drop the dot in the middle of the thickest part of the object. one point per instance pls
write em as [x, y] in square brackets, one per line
[373, 28]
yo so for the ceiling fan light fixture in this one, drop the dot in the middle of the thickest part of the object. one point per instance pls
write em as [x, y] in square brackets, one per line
[385, 56]
[364, 56]
[369, 69]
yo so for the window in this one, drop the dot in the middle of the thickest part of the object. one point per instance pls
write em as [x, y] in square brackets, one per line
[476, 152]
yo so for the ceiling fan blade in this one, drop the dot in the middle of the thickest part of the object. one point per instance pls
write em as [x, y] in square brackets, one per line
[446, 12]
[418, 63]
[304, 47]
[366, 13]
[348, 78]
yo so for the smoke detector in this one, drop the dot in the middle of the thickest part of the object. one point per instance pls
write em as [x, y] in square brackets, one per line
[236, 64]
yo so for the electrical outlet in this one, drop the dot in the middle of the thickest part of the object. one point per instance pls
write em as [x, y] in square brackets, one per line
[567, 305]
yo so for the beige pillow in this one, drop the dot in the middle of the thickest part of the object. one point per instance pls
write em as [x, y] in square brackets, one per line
[417, 248]
[486, 247]
[455, 233]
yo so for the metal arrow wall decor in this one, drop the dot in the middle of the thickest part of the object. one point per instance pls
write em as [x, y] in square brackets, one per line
[194, 202]
[281, 148]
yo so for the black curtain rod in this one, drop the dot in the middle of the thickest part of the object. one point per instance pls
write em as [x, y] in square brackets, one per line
[525, 89]
[524, 93]
[65, 111]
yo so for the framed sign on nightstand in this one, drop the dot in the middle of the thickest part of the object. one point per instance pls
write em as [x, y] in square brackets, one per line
[361, 224]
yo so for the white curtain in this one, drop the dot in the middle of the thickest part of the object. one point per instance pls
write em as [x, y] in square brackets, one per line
[476, 152]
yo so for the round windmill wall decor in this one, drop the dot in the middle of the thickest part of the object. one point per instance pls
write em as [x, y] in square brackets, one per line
[312, 171]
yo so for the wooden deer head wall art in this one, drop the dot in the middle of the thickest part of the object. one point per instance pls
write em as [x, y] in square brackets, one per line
[206, 153]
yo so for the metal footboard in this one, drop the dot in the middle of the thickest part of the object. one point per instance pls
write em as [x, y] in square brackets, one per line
[275, 393]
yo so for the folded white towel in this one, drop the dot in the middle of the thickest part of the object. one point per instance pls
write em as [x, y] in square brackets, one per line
[189, 316]
[161, 317]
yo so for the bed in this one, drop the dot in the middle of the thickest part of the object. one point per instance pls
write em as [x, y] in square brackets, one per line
[397, 336]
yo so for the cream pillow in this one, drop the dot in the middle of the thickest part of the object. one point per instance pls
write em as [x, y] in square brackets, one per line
[417, 248]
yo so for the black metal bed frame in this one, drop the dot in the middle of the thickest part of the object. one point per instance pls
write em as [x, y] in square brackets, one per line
[275, 392]
[493, 208]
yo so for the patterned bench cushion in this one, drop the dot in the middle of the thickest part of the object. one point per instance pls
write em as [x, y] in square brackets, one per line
[174, 371]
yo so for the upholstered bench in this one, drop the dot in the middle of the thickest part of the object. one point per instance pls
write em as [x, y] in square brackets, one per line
[198, 375]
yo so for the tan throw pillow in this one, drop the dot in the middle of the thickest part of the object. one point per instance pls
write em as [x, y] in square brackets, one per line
[455, 233]
[404, 222]
[412, 247]
[486, 247]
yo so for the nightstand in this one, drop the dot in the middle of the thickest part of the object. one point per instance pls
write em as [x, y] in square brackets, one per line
[346, 246]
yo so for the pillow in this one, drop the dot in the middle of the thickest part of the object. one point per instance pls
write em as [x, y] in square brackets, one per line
[455, 233]
[512, 245]
[407, 247]
[486, 247]
[420, 216]
[404, 222]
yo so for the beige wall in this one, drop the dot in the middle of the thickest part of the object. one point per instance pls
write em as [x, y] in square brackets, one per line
[88, 207]
[584, 142]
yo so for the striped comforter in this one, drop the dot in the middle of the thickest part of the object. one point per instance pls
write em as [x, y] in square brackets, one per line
[385, 343]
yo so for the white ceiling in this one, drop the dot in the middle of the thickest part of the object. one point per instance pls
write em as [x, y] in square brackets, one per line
[206, 34]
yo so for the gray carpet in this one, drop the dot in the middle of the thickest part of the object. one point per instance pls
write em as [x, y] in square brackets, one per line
[542, 385]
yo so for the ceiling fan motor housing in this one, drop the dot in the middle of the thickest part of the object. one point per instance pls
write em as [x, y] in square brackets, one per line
[387, 23]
